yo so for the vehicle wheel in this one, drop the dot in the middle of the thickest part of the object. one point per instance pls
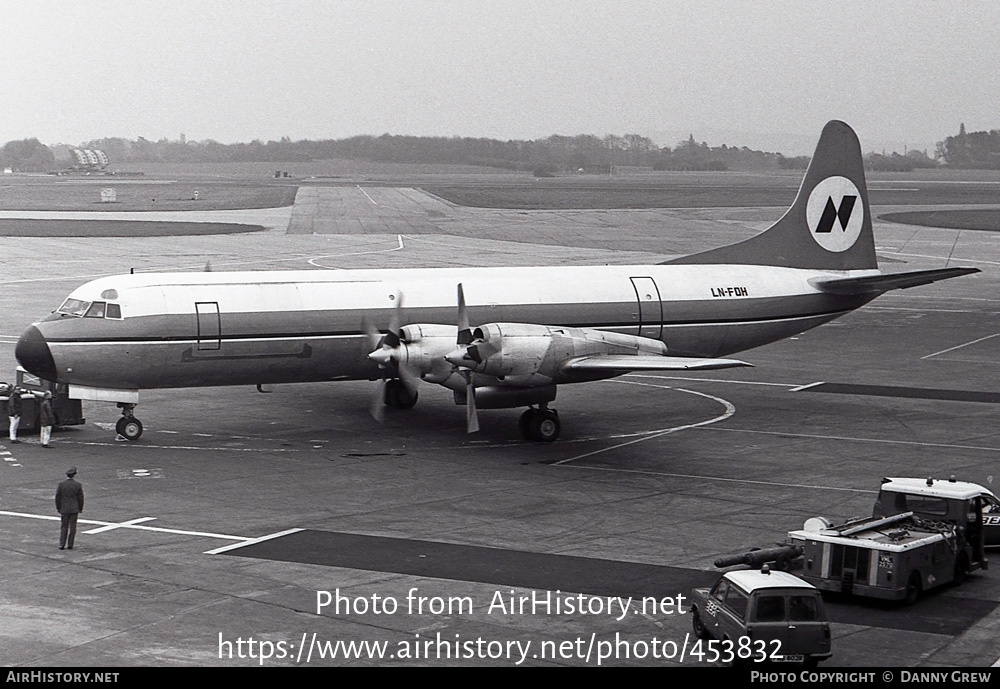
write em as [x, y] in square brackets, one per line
[524, 423]
[700, 630]
[398, 396]
[961, 569]
[913, 588]
[545, 426]
[129, 427]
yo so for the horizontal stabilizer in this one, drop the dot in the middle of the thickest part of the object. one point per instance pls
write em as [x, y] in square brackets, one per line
[876, 284]
[624, 363]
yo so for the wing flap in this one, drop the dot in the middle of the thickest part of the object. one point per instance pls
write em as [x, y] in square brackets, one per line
[876, 284]
[625, 363]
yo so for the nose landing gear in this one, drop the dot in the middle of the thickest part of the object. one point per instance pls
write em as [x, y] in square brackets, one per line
[128, 426]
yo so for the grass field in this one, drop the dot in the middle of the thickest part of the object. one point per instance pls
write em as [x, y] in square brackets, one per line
[116, 228]
[84, 194]
[240, 186]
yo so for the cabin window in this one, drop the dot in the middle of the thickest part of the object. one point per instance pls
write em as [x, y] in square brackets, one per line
[926, 504]
[803, 609]
[771, 608]
[736, 602]
[113, 311]
[96, 310]
[74, 307]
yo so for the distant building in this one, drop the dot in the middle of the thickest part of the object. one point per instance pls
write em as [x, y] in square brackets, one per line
[87, 159]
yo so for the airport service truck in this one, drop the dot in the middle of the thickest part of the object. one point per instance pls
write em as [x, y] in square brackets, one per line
[68, 412]
[922, 534]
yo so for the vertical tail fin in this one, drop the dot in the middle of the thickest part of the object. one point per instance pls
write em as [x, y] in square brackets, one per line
[829, 225]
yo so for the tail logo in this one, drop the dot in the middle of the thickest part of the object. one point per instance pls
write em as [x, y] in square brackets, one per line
[834, 215]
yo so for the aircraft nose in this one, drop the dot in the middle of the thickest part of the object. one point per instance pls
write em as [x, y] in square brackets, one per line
[32, 352]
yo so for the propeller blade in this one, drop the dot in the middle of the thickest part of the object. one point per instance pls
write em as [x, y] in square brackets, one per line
[464, 331]
[385, 351]
[410, 378]
[374, 336]
[471, 417]
[377, 405]
[392, 337]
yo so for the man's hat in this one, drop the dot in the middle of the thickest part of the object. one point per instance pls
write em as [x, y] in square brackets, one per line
[71, 471]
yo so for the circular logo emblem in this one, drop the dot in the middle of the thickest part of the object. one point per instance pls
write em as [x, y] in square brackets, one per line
[835, 214]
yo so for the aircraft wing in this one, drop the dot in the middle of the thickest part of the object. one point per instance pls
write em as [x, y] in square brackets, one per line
[876, 284]
[624, 363]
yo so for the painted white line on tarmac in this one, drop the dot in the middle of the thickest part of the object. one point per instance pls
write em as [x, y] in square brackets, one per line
[126, 525]
[952, 349]
[252, 541]
[120, 525]
[723, 479]
[145, 446]
[884, 441]
[709, 380]
[730, 410]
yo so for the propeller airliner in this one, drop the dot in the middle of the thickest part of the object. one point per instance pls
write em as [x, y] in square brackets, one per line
[499, 337]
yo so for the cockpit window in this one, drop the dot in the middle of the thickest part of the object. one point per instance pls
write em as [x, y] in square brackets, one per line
[74, 307]
[90, 309]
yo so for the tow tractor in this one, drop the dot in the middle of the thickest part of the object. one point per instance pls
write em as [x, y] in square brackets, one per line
[923, 533]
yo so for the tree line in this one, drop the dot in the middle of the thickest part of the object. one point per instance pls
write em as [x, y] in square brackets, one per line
[555, 154]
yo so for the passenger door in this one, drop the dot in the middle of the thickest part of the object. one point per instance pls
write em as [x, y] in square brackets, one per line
[650, 307]
[209, 325]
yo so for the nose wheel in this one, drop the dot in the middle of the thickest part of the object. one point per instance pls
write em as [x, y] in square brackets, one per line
[128, 426]
[541, 424]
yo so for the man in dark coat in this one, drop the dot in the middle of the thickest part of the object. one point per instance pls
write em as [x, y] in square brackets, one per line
[69, 503]
[46, 418]
[14, 411]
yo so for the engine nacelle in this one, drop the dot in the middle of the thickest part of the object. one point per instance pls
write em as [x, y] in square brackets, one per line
[524, 350]
[422, 348]
[507, 397]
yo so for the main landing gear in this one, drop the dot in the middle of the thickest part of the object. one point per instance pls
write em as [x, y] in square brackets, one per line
[541, 424]
[128, 426]
[398, 395]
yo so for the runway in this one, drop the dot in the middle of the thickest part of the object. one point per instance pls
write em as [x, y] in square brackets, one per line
[237, 511]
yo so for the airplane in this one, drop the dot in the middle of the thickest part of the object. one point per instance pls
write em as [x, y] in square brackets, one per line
[499, 337]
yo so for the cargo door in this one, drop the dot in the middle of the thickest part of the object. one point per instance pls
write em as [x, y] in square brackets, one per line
[209, 325]
[650, 307]
[769, 621]
[808, 630]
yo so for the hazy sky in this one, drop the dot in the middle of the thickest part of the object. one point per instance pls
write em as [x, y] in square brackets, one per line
[743, 73]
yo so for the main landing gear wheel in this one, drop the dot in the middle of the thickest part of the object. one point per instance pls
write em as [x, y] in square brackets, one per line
[540, 424]
[398, 395]
[129, 427]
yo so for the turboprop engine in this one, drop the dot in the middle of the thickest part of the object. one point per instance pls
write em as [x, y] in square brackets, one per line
[527, 354]
[420, 350]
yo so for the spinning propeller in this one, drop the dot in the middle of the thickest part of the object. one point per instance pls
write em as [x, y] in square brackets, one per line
[388, 353]
[472, 349]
